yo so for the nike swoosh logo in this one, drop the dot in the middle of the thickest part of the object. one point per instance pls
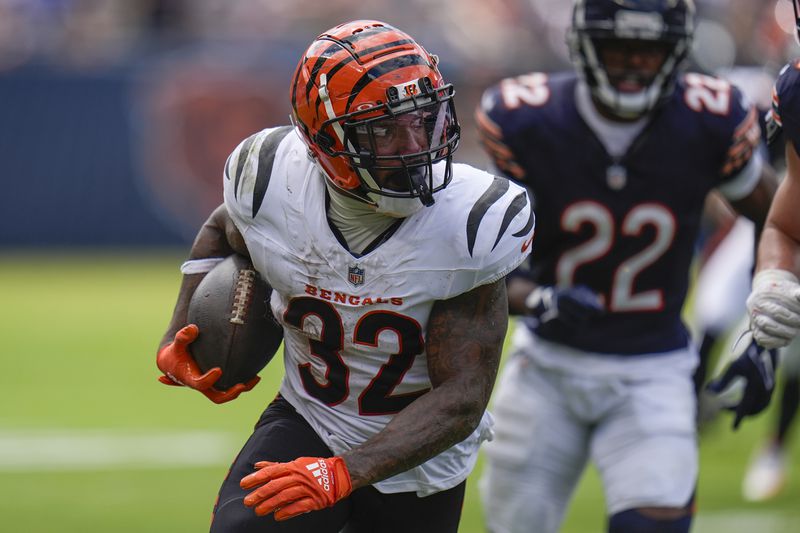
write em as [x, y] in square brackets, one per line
[526, 244]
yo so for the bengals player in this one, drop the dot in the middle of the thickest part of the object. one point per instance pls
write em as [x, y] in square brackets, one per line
[387, 262]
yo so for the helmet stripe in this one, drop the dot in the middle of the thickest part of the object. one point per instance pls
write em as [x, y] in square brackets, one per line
[367, 32]
[324, 56]
[367, 52]
[314, 70]
[337, 67]
[390, 65]
[328, 54]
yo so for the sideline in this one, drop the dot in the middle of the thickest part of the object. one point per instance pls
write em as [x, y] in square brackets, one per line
[97, 449]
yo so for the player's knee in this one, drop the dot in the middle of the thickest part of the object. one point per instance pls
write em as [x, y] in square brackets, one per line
[651, 520]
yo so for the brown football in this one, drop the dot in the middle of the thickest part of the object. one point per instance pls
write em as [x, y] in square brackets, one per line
[237, 330]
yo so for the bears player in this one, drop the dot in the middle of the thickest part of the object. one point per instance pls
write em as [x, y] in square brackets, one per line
[619, 158]
[387, 262]
[774, 302]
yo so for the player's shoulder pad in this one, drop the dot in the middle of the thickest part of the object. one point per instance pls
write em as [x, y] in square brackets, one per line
[785, 99]
[787, 85]
[719, 103]
[513, 104]
[248, 171]
[492, 223]
[723, 115]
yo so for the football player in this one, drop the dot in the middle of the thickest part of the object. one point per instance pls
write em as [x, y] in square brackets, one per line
[774, 302]
[619, 158]
[387, 263]
[767, 473]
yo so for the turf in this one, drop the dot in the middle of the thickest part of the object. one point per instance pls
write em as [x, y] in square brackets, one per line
[78, 333]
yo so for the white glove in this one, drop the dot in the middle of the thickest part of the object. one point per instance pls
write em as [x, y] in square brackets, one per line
[774, 308]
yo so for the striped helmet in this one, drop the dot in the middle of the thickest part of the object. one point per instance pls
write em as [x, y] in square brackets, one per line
[375, 112]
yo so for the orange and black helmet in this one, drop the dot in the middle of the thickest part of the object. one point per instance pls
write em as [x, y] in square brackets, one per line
[357, 90]
[796, 5]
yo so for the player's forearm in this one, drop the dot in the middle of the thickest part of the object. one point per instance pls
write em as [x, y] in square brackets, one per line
[465, 339]
[777, 250]
[217, 238]
[779, 244]
[430, 425]
[179, 314]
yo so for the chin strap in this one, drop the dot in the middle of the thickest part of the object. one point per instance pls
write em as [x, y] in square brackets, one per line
[420, 186]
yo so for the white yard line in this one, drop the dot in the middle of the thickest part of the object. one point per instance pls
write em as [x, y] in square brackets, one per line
[737, 521]
[53, 449]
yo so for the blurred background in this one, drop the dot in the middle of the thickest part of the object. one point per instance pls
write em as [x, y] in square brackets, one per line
[116, 117]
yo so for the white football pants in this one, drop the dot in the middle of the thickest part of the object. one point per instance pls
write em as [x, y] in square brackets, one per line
[556, 408]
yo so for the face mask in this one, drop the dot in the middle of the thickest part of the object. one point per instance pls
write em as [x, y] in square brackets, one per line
[403, 207]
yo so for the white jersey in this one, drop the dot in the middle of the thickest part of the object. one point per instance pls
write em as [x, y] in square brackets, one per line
[355, 328]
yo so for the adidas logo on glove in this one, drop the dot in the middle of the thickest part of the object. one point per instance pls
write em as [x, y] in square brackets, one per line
[320, 471]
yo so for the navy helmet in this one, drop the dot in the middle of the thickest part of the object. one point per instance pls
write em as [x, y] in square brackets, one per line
[666, 23]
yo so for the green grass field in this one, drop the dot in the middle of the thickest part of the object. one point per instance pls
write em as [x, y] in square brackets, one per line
[90, 441]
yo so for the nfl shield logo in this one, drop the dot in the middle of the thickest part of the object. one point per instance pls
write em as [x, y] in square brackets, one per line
[355, 275]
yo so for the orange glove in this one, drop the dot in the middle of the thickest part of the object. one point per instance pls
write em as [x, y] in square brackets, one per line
[175, 361]
[303, 485]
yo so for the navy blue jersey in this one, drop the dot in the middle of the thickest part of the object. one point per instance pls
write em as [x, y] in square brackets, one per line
[624, 228]
[785, 112]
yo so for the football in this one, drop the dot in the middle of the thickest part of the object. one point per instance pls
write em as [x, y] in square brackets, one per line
[237, 330]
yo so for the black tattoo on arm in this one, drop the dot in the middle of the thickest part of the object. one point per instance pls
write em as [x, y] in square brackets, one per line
[464, 342]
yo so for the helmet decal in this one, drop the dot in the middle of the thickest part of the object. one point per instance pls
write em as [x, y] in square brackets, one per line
[383, 68]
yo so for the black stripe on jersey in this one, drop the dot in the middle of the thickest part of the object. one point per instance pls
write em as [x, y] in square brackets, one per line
[242, 160]
[528, 224]
[228, 162]
[266, 158]
[379, 70]
[497, 189]
[516, 205]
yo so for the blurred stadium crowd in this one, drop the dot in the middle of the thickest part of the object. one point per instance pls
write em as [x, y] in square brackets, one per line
[141, 101]
[486, 37]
